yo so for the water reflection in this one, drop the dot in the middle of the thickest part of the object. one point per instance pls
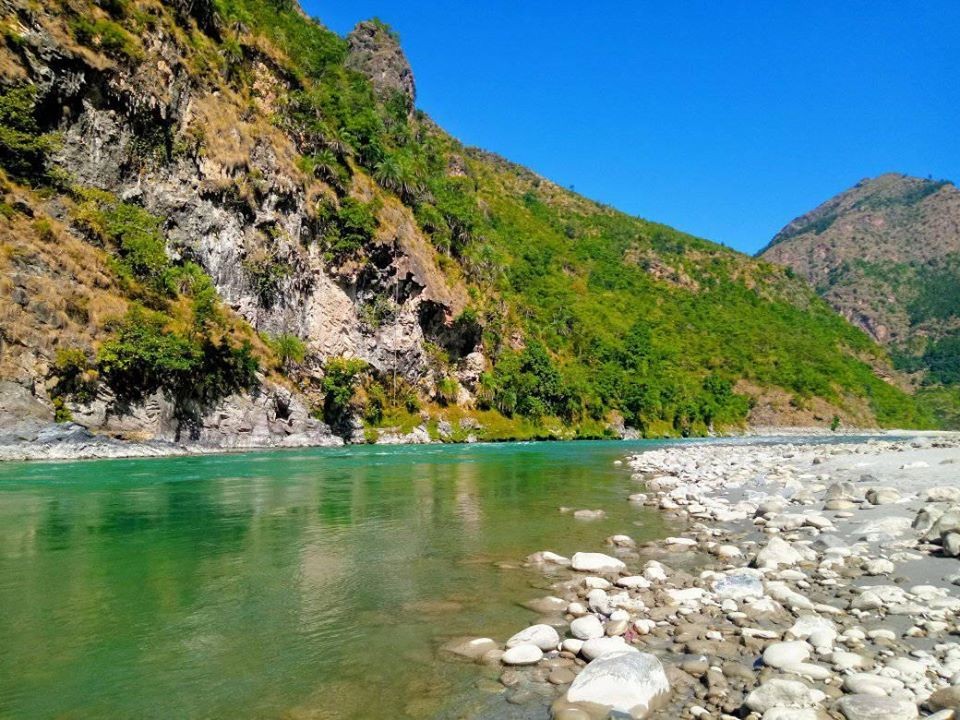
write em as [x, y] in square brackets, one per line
[316, 584]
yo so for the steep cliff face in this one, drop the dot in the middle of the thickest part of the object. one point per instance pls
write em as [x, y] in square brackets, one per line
[150, 130]
[224, 224]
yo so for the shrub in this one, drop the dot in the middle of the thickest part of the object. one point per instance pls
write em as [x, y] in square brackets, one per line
[194, 372]
[131, 232]
[105, 35]
[447, 390]
[23, 147]
[290, 349]
[339, 382]
[267, 272]
[76, 378]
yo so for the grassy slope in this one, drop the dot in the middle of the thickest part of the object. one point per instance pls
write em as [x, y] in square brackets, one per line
[636, 318]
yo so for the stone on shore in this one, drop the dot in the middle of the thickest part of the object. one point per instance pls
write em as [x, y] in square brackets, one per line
[783, 654]
[625, 681]
[872, 707]
[598, 647]
[777, 552]
[883, 495]
[782, 693]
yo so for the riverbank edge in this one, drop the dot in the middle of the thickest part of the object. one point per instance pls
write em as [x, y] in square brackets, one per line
[71, 442]
[753, 541]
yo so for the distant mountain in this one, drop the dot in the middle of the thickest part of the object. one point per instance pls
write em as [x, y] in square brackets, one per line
[886, 255]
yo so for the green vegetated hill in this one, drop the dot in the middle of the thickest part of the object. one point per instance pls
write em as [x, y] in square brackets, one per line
[276, 209]
[886, 255]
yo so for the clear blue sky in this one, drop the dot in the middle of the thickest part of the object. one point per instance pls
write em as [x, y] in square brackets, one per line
[722, 118]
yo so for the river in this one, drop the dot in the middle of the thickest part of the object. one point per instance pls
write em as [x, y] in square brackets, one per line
[290, 584]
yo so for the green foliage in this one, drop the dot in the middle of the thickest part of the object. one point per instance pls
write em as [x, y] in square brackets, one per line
[23, 148]
[312, 48]
[290, 349]
[266, 272]
[348, 229]
[943, 403]
[447, 389]
[340, 379]
[942, 359]
[193, 371]
[132, 232]
[105, 35]
[75, 377]
[937, 292]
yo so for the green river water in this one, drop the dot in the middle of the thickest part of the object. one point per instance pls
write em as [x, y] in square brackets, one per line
[291, 584]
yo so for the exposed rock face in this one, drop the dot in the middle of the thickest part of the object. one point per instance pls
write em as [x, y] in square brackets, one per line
[376, 52]
[230, 192]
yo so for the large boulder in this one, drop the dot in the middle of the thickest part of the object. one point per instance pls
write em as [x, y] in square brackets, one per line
[625, 681]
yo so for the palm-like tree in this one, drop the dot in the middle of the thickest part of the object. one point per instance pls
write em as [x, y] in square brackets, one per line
[326, 167]
[396, 174]
[338, 141]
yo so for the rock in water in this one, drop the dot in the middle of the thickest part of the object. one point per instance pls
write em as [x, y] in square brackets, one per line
[872, 707]
[542, 636]
[625, 681]
[596, 562]
[470, 648]
[522, 655]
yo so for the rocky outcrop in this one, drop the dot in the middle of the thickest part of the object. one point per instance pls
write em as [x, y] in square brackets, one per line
[375, 51]
[228, 188]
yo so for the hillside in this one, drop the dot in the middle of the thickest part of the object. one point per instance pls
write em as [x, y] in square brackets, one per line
[223, 223]
[886, 255]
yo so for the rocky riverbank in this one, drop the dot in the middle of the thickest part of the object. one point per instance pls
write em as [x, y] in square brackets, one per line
[805, 582]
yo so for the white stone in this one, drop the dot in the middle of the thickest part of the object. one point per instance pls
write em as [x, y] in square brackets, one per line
[633, 581]
[596, 562]
[586, 627]
[522, 655]
[544, 637]
[781, 654]
[871, 707]
[777, 552]
[869, 684]
[545, 557]
[598, 647]
[624, 681]
[782, 693]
